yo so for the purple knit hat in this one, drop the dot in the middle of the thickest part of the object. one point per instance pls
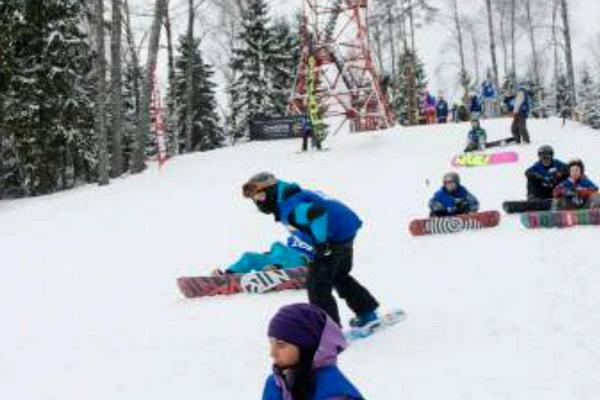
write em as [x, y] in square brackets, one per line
[299, 324]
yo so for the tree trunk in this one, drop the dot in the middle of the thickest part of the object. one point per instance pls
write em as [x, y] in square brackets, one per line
[100, 111]
[463, 69]
[569, 52]
[503, 40]
[117, 96]
[137, 74]
[488, 4]
[171, 126]
[139, 162]
[536, 60]
[189, 84]
[513, 54]
[475, 44]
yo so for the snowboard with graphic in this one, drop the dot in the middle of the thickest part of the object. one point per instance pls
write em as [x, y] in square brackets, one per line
[253, 282]
[385, 321]
[481, 159]
[561, 219]
[458, 223]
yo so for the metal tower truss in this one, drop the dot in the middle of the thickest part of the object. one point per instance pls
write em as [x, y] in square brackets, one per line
[335, 33]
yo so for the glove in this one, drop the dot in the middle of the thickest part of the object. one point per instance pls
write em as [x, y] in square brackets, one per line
[322, 250]
[578, 201]
[463, 205]
[583, 192]
[218, 272]
[548, 182]
[437, 207]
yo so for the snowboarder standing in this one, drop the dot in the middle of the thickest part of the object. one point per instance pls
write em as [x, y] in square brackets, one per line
[490, 95]
[452, 199]
[429, 108]
[442, 110]
[308, 133]
[545, 174]
[475, 106]
[577, 191]
[521, 110]
[305, 343]
[476, 138]
[332, 227]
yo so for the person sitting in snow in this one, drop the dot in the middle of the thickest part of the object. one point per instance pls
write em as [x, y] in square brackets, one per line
[442, 110]
[298, 252]
[305, 343]
[332, 227]
[545, 174]
[577, 191]
[476, 138]
[452, 199]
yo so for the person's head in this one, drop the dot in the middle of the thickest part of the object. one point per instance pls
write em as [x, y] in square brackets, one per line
[451, 182]
[261, 189]
[546, 155]
[576, 169]
[475, 123]
[295, 333]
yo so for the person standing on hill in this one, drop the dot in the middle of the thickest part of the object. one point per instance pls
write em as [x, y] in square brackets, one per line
[490, 97]
[332, 227]
[521, 110]
[442, 110]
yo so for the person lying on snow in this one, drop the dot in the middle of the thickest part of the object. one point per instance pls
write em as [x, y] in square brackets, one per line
[452, 199]
[305, 343]
[545, 174]
[298, 252]
[332, 226]
[577, 191]
[476, 138]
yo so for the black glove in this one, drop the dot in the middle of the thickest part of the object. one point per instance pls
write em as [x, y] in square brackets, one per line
[463, 206]
[437, 207]
[322, 250]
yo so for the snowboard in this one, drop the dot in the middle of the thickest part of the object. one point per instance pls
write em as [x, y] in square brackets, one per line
[253, 282]
[512, 207]
[386, 320]
[561, 219]
[458, 223]
[500, 143]
[480, 159]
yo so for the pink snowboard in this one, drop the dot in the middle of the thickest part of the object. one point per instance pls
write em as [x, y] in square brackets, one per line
[479, 160]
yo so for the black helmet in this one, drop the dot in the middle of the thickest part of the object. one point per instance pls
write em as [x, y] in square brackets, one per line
[546, 150]
[452, 176]
[577, 162]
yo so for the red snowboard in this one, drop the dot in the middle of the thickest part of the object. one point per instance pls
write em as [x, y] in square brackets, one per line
[253, 282]
[459, 223]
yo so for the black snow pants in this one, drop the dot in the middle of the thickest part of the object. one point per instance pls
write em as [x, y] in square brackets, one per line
[519, 129]
[332, 271]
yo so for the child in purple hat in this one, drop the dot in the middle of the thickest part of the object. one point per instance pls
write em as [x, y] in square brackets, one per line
[305, 343]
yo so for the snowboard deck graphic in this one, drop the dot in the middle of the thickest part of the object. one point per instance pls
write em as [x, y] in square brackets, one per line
[481, 159]
[512, 207]
[387, 320]
[252, 282]
[458, 223]
[561, 218]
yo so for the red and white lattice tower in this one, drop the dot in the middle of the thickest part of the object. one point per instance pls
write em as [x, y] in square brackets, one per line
[335, 32]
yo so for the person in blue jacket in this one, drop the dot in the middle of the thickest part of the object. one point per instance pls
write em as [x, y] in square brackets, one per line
[298, 252]
[489, 94]
[305, 343]
[476, 138]
[452, 199]
[521, 111]
[577, 191]
[545, 174]
[442, 110]
[332, 227]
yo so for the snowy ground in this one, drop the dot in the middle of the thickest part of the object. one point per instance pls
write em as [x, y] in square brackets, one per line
[90, 310]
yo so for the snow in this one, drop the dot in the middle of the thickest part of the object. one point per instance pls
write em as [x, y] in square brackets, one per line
[90, 309]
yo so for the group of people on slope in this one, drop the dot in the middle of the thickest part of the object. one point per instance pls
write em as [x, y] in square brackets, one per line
[548, 179]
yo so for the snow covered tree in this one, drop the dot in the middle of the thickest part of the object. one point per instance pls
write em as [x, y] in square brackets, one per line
[286, 52]
[47, 115]
[589, 99]
[563, 97]
[259, 63]
[207, 133]
[408, 86]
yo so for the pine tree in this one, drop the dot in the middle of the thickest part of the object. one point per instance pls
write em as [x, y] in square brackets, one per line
[286, 52]
[563, 97]
[400, 89]
[47, 117]
[588, 99]
[207, 133]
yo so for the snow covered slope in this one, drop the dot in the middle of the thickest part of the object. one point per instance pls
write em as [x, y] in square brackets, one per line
[90, 310]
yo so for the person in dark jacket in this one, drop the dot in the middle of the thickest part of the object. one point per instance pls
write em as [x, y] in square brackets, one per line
[452, 199]
[577, 191]
[475, 106]
[442, 110]
[521, 111]
[305, 343]
[476, 138]
[545, 174]
[308, 133]
[332, 227]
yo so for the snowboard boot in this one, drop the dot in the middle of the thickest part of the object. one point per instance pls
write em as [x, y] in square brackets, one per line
[366, 323]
